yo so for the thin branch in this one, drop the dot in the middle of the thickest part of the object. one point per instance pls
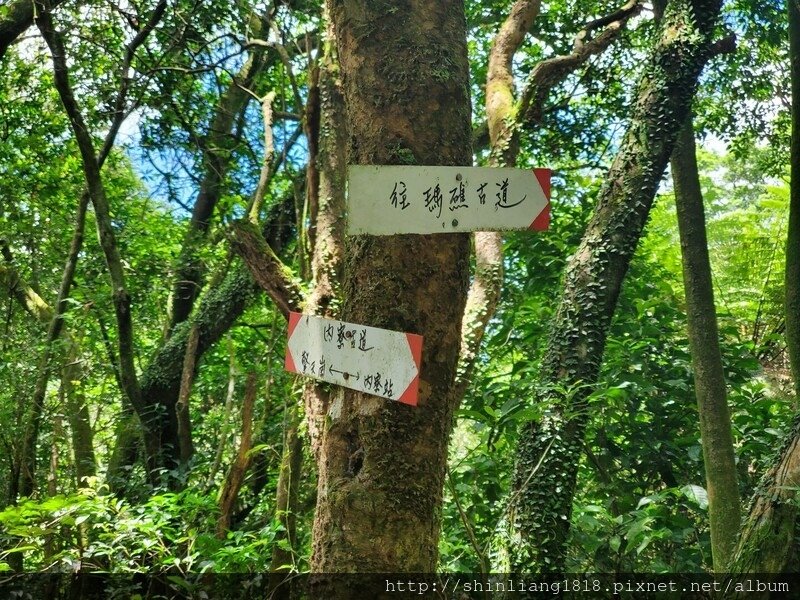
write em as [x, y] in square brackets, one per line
[130, 52]
[235, 478]
[550, 72]
[257, 202]
[484, 562]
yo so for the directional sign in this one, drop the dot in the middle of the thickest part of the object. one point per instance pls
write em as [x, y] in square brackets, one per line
[376, 361]
[385, 200]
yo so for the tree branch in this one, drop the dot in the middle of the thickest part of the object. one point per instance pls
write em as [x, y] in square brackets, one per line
[17, 16]
[216, 160]
[550, 72]
[267, 165]
[265, 267]
[500, 80]
[487, 281]
[25, 295]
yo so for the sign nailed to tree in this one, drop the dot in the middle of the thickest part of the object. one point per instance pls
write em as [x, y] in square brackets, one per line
[387, 200]
[376, 361]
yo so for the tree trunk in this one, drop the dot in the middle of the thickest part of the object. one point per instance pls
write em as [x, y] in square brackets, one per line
[78, 417]
[286, 506]
[217, 310]
[55, 316]
[235, 479]
[91, 165]
[381, 463]
[549, 451]
[792, 280]
[182, 405]
[768, 540]
[724, 510]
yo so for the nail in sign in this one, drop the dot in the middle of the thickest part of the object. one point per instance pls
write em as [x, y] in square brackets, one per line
[376, 361]
[387, 200]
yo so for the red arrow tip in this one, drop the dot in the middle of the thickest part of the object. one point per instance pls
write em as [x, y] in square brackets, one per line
[543, 176]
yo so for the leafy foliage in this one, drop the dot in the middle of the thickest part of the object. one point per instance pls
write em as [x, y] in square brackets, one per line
[641, 504]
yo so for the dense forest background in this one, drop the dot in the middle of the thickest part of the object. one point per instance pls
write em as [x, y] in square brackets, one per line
[172, 184]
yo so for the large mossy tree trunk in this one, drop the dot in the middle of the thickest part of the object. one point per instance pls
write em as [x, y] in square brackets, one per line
[549, 450]
[382, 464]
[767, 543]
[724, 510]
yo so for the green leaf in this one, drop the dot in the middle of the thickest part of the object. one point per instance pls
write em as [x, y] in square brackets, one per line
[696, 494]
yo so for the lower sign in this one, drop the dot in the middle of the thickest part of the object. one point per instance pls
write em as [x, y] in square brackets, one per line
[376, 361]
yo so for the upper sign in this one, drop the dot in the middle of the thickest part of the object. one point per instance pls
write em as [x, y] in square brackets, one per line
[376, 361]
[386, 200]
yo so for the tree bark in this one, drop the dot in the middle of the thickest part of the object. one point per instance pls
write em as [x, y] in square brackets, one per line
[382, 464]
[328, 253]
[724, 510]
[792, 277]
[549, 451]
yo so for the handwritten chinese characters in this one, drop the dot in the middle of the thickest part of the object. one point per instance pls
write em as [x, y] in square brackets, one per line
[385, 200]
[377, 361]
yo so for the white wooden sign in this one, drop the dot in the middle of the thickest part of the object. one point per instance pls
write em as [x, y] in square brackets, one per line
[376, 361]
[387, 200]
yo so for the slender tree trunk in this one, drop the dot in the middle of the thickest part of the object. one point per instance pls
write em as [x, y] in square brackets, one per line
[724, 508]
[487, 281]
[51, 540]
[222, 438]
[55, 316]
[78, 417]
[286, 505]
[381, 463]
[182, 405]
[792, 280]
[549, 451]
[235, 479]
[105, 232]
